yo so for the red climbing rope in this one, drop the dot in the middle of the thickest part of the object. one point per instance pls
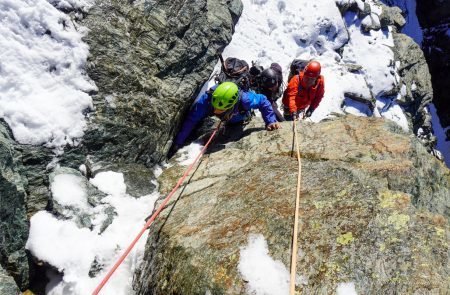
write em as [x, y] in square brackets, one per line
[153, 217]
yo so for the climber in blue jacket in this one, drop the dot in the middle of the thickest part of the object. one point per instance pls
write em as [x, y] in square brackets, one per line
[228, 103]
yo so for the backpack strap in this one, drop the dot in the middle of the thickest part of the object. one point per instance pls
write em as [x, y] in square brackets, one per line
[221, 60]
[300, 87]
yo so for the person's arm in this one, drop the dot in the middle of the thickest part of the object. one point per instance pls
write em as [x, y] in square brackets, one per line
[290, 94]
[319, 95]
[199, 111]
[279, 116]
[251, 100]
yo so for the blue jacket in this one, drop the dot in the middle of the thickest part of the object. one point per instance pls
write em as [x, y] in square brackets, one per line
[202, 108]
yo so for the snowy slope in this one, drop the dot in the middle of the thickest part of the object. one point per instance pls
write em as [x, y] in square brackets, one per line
[279, 31]
[43, 88]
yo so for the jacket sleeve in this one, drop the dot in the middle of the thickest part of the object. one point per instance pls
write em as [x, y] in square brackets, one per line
[290, 93]
[199, 111]
[251, 100]
[319, 94]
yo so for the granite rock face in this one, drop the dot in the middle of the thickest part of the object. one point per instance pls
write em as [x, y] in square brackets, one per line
[148, 59]
[374, 210]
[13, 219]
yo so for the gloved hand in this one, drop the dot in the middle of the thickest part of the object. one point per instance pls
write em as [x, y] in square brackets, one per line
[309, 112]
[294, 116]
[173, 149]
[273, 126]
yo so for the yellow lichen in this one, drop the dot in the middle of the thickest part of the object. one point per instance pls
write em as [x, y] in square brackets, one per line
[393, 240]
[316, 224]
[382, 247]
[320, 204]
[342, 193]
[345, 239]
[332, 269]
[388, 199]
[399, 221]
[439, 231]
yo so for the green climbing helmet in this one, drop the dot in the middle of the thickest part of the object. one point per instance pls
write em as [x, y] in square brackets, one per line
[225, 96]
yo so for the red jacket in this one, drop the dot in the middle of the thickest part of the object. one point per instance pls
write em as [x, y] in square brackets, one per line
[298, 98]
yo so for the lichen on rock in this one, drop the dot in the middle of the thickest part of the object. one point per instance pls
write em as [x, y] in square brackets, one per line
[360, 221]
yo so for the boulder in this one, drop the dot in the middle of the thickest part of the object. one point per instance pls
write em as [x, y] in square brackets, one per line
[374, 210]
[392, 16]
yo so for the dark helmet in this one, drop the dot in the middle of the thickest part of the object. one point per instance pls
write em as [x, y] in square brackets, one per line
[313, 69]
[277, 68]
[269, 78]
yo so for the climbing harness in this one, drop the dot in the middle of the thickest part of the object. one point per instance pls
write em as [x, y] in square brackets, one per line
[297, 204]
[154, 215]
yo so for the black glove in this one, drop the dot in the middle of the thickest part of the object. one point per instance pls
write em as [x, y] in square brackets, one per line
[294, 115]
[309, 112]
[173, 149]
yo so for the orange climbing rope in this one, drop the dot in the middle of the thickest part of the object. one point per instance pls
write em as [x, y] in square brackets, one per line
[297, 205]
[153, 217]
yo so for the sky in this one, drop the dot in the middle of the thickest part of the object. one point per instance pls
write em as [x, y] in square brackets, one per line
[44, 96]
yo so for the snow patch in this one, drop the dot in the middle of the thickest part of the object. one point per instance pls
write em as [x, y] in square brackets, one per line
[72, 4]
[263, 274]
[110, 182]
[356, 108]
[68, 190]
[372, 52]
[389, 109]
[76, 251]
[346, 289]
[188, 154]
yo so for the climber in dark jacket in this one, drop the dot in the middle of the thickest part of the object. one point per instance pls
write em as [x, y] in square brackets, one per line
[269, 82]
[228, 103]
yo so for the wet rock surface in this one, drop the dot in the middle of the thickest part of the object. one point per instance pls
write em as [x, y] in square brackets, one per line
[374, 210]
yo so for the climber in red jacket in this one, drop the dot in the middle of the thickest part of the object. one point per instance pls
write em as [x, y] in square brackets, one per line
[304, 90]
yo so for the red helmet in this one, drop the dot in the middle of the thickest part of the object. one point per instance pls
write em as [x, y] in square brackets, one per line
[313, 69]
